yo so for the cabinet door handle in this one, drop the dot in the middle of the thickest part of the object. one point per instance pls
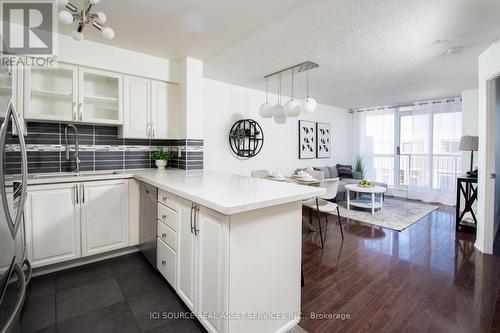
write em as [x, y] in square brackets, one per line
[191, 217]
[80, 110]
[163, 262]
[164, 198]
[83, 193]
[196, 210]
[163, 235]
[74, 112]
[152, 131]
[76, 194]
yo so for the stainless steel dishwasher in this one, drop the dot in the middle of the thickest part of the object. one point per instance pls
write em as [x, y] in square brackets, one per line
[148, 223]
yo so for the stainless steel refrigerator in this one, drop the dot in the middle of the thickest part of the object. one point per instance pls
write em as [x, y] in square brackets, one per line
[15, 269]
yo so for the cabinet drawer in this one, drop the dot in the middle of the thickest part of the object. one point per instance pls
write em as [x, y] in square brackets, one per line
[167, 216]
[168, 199]
[167, 235]
[166, 262]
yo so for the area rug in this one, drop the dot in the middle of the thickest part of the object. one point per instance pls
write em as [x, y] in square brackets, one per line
[396, 214]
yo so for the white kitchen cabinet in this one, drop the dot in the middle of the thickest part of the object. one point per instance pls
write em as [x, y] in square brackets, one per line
[166, 262]
[202, 268]
[51, 93]
[186, 255]
[70, 220]
[162, 106]
[100, 96]
[52, 214]
[148, 108]
[136, 108]
[212, 261]
[73, 93]
[105, 218]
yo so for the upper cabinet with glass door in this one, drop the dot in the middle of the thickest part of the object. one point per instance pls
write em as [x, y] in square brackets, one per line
[100, 97]
[73, 93]
[51, 93]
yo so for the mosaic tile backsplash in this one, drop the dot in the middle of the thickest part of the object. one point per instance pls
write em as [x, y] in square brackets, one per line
[100, 149]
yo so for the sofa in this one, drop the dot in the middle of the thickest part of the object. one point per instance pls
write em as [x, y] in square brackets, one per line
[346, 177]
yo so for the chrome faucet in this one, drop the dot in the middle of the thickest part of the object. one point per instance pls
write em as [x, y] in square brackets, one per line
[77, 158]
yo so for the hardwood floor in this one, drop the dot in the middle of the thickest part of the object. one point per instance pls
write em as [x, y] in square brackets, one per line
[424, 279]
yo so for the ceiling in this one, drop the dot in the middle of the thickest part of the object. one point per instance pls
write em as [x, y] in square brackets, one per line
[370, 53]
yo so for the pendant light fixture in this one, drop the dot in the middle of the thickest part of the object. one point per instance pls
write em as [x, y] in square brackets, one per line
[292, 107]
[84, 17]
[310, 103]
[266, 109]
[279, 114]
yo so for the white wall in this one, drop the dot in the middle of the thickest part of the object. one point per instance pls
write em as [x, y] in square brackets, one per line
[489, 69]
[470, 125]
[97, 55]
[226, 103]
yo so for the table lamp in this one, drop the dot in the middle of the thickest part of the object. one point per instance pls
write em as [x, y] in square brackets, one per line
[469, 143]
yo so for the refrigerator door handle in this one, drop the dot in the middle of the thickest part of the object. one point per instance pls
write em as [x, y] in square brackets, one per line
[15, 223]
[16, 313]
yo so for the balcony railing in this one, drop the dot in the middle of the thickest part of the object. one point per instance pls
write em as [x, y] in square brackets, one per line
[438, 172]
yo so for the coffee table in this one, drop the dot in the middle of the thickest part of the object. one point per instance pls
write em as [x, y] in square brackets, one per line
[365, 203]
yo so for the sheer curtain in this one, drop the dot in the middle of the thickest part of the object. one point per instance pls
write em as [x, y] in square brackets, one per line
[427, 135]
[430, 159]
[374, 139]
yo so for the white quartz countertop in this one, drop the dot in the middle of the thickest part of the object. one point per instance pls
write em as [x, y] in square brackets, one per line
[226, 193]
[222, 192]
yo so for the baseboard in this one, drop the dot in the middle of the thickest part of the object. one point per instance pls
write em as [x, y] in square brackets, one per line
[83, 261]
[289, 326]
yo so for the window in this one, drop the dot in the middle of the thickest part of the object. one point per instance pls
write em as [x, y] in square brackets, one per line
[427, 135]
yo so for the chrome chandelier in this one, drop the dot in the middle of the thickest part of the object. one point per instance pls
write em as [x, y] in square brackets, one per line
[84, 17]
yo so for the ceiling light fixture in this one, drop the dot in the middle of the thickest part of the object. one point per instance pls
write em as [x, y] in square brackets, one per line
[279, 114]
[292, 108]
[266, 109]
[84, 17]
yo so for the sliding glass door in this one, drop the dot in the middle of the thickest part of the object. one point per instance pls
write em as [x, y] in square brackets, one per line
[414, 148]
[429, 159]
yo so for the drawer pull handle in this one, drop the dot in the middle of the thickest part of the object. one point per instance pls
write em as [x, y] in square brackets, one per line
[164, 216]
[163, 235]
[163, 262]
[164, 198]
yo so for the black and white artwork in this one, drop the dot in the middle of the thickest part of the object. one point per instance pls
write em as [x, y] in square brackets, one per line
[307, 139]
[323, 140]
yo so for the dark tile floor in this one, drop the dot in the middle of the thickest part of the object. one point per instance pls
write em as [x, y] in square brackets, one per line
[116, 295]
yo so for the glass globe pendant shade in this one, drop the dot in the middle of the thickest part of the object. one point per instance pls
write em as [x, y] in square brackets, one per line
[108, 33]
[292, 108]
[309, 105]
[266, 110]
[65, 17]
[101, 17]
[279, 114]
[78, 36]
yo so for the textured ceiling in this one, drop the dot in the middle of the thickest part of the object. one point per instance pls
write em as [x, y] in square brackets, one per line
[371, 52]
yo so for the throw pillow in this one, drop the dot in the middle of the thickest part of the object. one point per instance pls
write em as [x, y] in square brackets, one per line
[345, 171]
[326, 171]
[333, 172]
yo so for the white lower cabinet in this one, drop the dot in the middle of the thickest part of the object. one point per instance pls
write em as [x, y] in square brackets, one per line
[166, 261]
[186, 252]
[52, 215]
[70, 220]
[202, 249]
[105, 221]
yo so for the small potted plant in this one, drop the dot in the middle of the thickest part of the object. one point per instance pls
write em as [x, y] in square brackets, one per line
[238, 135]
[161, 158]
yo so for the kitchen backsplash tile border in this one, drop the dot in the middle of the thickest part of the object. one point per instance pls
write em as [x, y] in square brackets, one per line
[100, 149]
